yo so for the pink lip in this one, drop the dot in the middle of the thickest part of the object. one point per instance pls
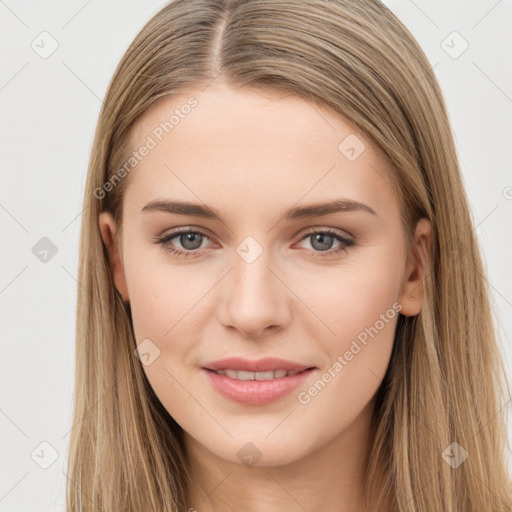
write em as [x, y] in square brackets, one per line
[253, 392]
[262, 365]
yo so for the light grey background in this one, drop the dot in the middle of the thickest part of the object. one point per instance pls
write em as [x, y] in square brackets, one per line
[49, 111]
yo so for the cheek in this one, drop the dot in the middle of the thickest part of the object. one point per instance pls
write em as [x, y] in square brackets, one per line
[352, 296]
[165, 303]
[358, 306]
[162, 296]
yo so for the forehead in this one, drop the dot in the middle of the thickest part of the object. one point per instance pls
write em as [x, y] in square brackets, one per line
[235, 148]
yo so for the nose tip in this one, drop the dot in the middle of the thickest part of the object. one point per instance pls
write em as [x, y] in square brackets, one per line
[256, 300]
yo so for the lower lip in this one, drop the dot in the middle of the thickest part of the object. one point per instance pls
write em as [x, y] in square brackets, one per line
[256, 392]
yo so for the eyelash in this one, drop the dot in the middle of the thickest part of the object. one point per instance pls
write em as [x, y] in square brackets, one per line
[346, 243]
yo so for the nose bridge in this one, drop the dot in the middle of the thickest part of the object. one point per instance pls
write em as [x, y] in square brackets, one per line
[255, 298]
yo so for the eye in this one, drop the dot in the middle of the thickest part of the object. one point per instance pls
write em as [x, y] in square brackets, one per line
[322, 240]
[191, 240]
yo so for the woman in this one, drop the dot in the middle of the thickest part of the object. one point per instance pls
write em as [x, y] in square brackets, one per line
[283, 303]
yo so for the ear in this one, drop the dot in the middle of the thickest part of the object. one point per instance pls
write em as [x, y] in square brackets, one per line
[411, 294]
[108, 230]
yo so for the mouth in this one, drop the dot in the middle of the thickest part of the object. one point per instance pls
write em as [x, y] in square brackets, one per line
[252, 388]
[259, 376]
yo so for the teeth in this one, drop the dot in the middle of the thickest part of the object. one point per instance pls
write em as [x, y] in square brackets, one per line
[243, 375]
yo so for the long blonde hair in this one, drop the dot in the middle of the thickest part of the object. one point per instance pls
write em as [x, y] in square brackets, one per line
[445, 382]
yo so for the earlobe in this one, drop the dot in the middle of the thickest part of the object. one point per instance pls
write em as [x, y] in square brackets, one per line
[108, 231]
[411, 297]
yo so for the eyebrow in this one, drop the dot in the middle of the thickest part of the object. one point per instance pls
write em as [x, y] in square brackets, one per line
[298, 212]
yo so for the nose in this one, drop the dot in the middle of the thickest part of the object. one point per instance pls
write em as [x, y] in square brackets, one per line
[256, 298]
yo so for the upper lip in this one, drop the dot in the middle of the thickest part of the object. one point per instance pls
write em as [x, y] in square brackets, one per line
[267, 364]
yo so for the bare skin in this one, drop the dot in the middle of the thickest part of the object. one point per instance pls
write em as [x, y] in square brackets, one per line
[252, 156]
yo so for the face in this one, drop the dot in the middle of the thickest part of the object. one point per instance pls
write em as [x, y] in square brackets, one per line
[268, 277]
